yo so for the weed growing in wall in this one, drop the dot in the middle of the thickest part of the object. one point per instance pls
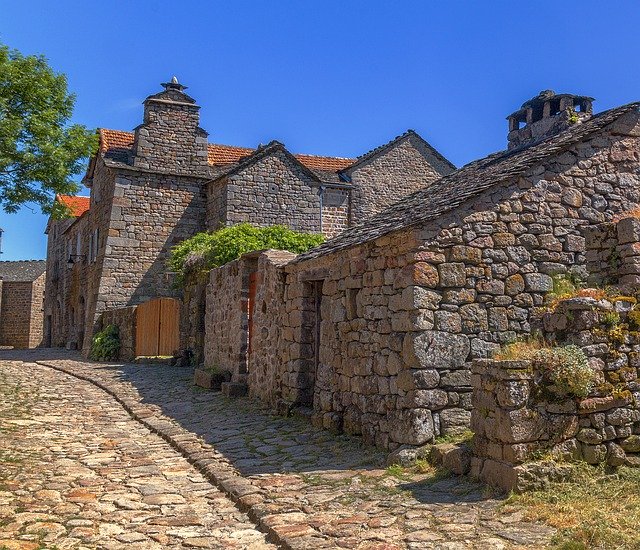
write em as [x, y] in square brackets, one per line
[566, 371]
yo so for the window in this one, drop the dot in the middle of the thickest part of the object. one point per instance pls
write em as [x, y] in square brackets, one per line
[93, 245]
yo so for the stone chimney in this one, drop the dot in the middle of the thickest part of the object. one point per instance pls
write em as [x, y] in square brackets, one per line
[170, 138]
[545, 115]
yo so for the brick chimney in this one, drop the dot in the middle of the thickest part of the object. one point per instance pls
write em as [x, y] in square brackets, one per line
[545, 115]
[170, 138]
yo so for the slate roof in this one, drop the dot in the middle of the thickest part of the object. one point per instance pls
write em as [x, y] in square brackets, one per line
[77, 205]
[22, 271]
[454, 189]
[117, 145]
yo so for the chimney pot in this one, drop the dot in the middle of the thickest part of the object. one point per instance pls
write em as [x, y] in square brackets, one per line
[545, 115]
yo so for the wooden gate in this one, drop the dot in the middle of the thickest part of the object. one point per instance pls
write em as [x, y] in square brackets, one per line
[157, 327]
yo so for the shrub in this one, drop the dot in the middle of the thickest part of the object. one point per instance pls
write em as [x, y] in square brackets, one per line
[566, 371]
[105, 345]
[205, 251]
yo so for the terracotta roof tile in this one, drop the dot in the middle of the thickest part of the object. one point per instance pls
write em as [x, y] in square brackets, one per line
[117, 145]
[220, 155]
[77, 205]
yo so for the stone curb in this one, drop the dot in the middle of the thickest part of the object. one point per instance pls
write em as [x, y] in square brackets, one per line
[246, 496]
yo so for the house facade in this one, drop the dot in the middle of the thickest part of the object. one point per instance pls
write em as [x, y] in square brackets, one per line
[22, 303]
[164, 182]
[374, 331]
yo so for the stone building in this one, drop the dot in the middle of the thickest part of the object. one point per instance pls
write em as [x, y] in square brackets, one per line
[22, 303]
[164, 182]
[374, 332]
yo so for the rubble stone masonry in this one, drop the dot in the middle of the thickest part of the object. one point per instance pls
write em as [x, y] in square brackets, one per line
[21, 314]
[387, 349]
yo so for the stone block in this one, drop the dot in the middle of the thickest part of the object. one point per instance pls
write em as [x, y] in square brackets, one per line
[406, 455]
[456, 379]
[628, 230]
[452, 275]
[538, 282]
[448, 321]
[435, 349]
[455, 458]
[474, 318]
[455, 420]
[594, 454]
[512, 393]
[411, 426]
[422, 379]
[466, 254]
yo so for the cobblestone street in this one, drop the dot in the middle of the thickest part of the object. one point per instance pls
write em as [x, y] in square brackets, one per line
[82, 468]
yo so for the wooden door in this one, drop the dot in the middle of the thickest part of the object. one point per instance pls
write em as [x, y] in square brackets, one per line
[157, 327]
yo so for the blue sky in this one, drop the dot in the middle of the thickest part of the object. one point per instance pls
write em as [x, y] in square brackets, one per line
[327, 77]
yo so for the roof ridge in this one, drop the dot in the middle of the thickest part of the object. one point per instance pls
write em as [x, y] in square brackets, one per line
[379, 147]
[215, 144]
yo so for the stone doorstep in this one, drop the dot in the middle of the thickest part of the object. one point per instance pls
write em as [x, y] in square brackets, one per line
[208, 380]
[247, 497]
[454, 457]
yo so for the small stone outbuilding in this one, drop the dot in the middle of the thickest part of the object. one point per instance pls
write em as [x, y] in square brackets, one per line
[22, 303]
[375, 330]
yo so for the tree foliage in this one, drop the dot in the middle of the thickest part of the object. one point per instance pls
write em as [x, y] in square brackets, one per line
[205, 251]
[39, 150]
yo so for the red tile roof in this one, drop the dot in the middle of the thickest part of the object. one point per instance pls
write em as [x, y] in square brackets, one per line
[117, 145]
[77, 205]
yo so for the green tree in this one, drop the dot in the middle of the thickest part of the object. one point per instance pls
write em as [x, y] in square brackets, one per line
[40, 151]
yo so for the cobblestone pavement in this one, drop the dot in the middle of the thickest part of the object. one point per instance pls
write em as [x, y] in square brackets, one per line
[76, 471]
[305, 487]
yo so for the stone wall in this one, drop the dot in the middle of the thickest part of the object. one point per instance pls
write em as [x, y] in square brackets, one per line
[406, 166]
[170, 139]
[273, 190]
[226, 319]
[269, 312]
[335, 211]
[388, 350]
[125, 319]
[21, 318]
[192, 318]
[517, 418]
[16, 309]
[613, 252]
[36, 326]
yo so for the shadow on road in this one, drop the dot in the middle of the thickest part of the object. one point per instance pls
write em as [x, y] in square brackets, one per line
[255, 441]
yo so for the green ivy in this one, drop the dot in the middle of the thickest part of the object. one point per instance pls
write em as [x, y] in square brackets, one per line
[204, 251]
[105, 345]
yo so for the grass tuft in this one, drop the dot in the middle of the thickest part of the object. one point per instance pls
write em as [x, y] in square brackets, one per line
[591, 511]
